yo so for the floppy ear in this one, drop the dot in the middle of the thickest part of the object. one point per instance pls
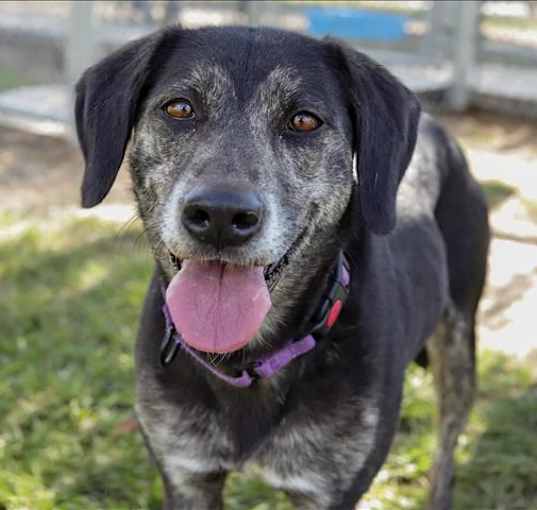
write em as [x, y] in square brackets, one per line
[107, 97]
[386, 116]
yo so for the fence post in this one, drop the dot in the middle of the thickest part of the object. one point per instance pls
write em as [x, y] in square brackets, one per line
[79, 50]
[464, 18]
[436, 41]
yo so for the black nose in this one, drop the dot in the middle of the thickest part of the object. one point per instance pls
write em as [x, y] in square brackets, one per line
[222, 218]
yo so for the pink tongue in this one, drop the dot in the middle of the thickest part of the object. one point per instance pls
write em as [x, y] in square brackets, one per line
[218, 307]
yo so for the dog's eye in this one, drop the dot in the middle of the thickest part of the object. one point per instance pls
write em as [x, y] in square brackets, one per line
[304, 122]
[179, 109]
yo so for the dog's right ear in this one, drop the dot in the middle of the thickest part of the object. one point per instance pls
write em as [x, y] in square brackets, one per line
[386, 116]
[107, 97]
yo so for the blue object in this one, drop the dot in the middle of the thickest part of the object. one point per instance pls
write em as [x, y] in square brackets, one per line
[357, 24]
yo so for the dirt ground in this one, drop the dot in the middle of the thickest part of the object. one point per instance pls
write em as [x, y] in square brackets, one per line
[40, 172]
[40, 176]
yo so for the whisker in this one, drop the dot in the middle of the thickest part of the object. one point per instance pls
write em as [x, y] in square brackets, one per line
[125, 226]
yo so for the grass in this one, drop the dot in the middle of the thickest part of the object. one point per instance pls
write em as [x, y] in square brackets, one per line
[69, 302]
[531, 208]
[10, 79]
[507, 22]
[497, 192]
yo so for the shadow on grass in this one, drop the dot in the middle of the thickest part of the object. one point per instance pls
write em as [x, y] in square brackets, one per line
[504, 296]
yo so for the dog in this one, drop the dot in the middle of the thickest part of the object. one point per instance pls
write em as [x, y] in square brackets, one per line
[314, 233]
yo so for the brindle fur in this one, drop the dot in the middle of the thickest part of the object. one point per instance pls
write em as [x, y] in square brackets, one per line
[321, 428]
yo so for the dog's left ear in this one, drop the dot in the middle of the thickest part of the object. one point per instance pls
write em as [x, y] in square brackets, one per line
[386, 116]
[107, 98]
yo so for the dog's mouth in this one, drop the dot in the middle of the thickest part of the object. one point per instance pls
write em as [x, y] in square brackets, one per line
[219, 307]
[274, 272]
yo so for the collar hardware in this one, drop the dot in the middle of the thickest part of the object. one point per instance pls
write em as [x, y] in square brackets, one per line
[169, 347]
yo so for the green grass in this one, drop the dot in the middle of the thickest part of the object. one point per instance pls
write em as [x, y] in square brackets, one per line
[497, 192]
[497, 456]
[531, 208]
[507, 22]
[69, 303]
[10, 79]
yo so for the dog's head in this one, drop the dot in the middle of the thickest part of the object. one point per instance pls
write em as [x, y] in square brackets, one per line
[241, 151]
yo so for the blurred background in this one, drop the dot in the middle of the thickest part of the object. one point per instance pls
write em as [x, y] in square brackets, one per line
[72, 281]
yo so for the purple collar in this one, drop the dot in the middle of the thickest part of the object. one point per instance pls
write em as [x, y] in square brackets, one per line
[267, 365]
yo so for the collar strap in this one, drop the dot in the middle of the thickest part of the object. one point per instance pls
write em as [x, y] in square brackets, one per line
[267, 365]
[332, 301]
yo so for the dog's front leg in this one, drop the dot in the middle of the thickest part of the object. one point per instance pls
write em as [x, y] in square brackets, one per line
[188, 482]
[194, 491]
[182, 448]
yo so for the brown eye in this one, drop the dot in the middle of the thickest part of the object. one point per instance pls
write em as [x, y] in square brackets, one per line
[179, 109]
[304, 122]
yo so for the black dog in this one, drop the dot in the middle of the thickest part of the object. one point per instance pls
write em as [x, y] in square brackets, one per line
[268, 170]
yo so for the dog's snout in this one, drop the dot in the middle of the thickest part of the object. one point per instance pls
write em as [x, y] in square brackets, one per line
[222, 218]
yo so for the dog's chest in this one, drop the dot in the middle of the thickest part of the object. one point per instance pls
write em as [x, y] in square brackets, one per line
[315, 456]
[320, 456]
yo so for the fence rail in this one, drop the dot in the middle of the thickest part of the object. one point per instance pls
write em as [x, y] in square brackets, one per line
[463, 53]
